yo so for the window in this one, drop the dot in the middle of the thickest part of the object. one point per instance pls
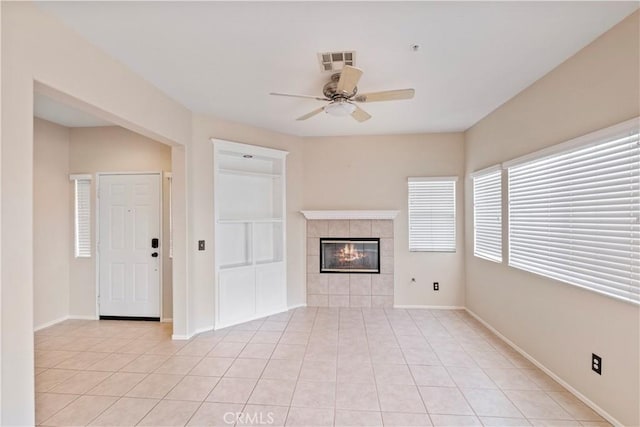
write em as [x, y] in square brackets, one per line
[169, 177]
[487, 214]
[432, 214]
[574, 215]
[82, 215]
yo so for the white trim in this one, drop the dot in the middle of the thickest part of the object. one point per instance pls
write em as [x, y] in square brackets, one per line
[350, 214]
[579, 142]
[431, 178]
[430, 307]
[77, 176]
[485, 171]
[547, 371]
[222, 144]
[293, 307]
[166, 320]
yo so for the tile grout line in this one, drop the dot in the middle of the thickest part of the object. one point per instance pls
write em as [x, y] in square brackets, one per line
[434, 353]
[375, 382]
[335, 399]
[295, 387]
[498, 387]
[453, 379]
[244, 407]
[424, 405]
[125, 395]
[221, 376]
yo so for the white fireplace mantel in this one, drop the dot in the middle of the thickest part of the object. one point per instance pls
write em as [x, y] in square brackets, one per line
[350, 214]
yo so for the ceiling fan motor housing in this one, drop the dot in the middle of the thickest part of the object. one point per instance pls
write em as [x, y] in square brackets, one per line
[330, 90]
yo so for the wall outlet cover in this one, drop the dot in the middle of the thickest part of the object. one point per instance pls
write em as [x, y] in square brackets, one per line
[596, 363]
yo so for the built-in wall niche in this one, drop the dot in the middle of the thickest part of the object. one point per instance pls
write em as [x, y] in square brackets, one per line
[249, 190]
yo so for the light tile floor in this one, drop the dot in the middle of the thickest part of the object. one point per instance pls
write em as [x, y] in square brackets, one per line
[306, 367]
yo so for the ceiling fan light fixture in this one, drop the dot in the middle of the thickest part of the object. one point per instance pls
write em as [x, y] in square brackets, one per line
[340, 108]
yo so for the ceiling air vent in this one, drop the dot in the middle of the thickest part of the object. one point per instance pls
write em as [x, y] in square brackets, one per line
[334, 61]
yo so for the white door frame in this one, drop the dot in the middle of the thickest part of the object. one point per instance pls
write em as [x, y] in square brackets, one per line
[97, 225]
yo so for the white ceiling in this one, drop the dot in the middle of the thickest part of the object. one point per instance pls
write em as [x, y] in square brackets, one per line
[223, 58]
[57, 112]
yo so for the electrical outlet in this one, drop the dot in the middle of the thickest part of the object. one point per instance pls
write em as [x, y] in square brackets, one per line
[436, 286]
[201, 245]
[596, 363]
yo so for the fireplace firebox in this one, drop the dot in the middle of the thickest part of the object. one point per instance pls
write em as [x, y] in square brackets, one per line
[350, 255]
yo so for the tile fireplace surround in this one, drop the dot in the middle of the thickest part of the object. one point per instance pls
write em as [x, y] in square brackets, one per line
[343, 289]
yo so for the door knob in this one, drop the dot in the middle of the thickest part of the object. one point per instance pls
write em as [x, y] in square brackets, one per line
[155, 254]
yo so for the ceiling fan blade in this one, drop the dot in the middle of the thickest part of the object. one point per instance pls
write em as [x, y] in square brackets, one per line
[300, 96]
[387, 95]
[349, 77]
[360, 115]
[311, 114]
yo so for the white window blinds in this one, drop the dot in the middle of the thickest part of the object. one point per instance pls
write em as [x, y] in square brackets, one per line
[432, 214]
[82, 217]
[169, 177]
[575, 216]
[487, 215]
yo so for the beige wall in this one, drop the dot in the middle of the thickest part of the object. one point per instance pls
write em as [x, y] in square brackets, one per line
[200, 194]
[370, 172]
[52, 223]
[114, 149]
[37, 48]
[558, 324]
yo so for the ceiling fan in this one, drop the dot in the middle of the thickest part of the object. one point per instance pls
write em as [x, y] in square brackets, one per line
[342, 93]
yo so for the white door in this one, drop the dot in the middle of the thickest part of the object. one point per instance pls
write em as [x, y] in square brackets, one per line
[129, 265]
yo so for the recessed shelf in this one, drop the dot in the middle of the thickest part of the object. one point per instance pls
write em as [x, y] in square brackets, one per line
[248, 173]
[249, 220]
[232, 266]
[268, 261]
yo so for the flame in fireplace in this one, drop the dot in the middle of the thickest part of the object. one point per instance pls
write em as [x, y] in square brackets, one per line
[349, 253]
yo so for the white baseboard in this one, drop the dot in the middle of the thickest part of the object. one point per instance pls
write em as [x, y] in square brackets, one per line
[202, 330]
[166, 320]
[62, 319]
[81, 317]
[293, 307]
[547, 371]
[180, 337]
[51, 323]
[430, 307]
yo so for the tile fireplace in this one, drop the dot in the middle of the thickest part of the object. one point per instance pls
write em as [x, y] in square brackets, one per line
[350, 287]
